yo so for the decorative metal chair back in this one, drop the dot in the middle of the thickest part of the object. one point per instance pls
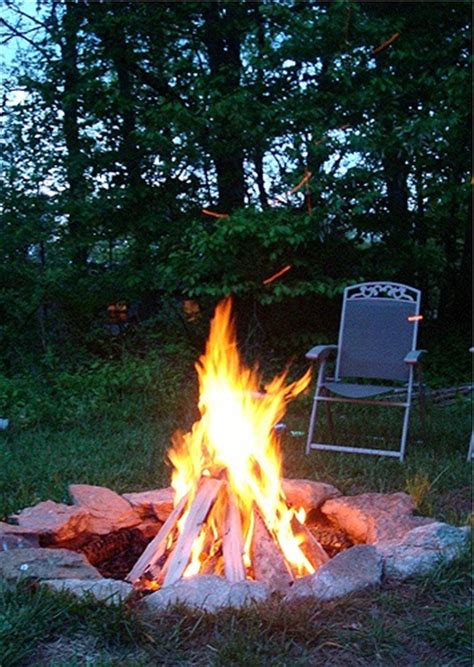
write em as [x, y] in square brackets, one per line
[379, 325]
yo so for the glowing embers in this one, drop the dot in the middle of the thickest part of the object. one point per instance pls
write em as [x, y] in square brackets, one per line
[231, 517]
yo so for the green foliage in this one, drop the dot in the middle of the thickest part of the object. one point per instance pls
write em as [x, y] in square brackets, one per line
[236, 255]
[137, 116]
[66, 397]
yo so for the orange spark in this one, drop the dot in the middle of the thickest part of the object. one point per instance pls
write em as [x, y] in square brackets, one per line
[385, 44]
[415, 318]
[299, 185]
[215, 215]
[284, 270]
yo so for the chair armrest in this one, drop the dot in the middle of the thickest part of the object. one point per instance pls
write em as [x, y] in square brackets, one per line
[320, 352]
[414, 356]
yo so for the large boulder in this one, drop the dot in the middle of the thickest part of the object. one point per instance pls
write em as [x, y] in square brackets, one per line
[207, 593]
[348, 572]
[422, 549]
[371, 517]
[107, 510]
[308, 494]
[55, 521]
[37, 564]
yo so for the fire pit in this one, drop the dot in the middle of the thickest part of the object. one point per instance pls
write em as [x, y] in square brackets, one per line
[229, 530]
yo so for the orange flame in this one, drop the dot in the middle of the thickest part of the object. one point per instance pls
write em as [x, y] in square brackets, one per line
[235, 439]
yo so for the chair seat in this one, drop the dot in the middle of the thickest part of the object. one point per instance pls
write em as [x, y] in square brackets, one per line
[357, 390]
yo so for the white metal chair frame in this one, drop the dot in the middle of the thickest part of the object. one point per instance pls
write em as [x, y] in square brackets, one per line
[347, 393]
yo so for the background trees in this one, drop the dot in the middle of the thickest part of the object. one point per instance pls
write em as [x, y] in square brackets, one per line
[133, 117]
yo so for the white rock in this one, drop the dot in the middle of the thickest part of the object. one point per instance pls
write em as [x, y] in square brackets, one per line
[206, 592]
[350, 571]
[422, 549]
[110, 591]
[244, 593]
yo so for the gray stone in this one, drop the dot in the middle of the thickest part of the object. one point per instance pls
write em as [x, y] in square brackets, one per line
[110, 591]
[348, 572]
[371, 517]
[308, 494]
[422, 550]
[107, 510]
[15, 529]
[206, 592]
[18, 541]
[245, 593]
[57, 521]
[40, 564]
[15, 537]
[148, 504]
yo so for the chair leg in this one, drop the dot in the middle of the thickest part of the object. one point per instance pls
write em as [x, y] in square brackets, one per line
[422, 402]
[406, 416]
[470, 452]
[329, 419]
[403, 440]
[312, 421]
[422, 406]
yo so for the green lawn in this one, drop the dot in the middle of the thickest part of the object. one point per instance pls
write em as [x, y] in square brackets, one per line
[121, 442]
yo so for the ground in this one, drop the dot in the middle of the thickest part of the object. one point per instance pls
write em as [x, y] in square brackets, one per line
[425, 621]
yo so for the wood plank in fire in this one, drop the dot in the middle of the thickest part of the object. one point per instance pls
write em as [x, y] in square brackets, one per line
[157, 546]
[268, 562]
[310, 546]
[200, 507]
[233, 541]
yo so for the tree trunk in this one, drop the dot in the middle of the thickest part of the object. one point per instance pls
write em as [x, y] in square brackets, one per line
[222, 39]
[76, 195]
[395, 172]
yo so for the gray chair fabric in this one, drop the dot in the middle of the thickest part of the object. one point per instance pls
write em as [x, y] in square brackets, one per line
[377, 340]
[357, 390]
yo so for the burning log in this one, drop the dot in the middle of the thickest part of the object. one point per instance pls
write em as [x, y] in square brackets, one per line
[202, 503]
[232, 541]
[310, 546]
[268, 563]
[157, 546]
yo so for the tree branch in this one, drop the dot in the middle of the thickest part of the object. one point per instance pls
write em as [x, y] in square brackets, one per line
[17, 10]
[21, 35]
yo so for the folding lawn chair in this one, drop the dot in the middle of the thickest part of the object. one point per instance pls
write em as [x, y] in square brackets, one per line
[377, 340]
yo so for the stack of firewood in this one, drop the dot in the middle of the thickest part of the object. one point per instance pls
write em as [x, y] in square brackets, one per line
[167, 556]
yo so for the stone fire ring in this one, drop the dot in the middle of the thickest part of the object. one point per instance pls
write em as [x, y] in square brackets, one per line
[40, 544]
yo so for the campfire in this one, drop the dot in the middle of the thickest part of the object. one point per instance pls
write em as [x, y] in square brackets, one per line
[231, 531]
[231, 517]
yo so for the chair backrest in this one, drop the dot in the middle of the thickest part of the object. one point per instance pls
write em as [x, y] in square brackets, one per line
[379, 326]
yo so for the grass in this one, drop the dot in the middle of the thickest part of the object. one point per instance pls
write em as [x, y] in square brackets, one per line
[121, 443]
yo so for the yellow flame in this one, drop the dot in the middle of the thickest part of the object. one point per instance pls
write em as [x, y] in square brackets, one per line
[235, 437]
[301, 514]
